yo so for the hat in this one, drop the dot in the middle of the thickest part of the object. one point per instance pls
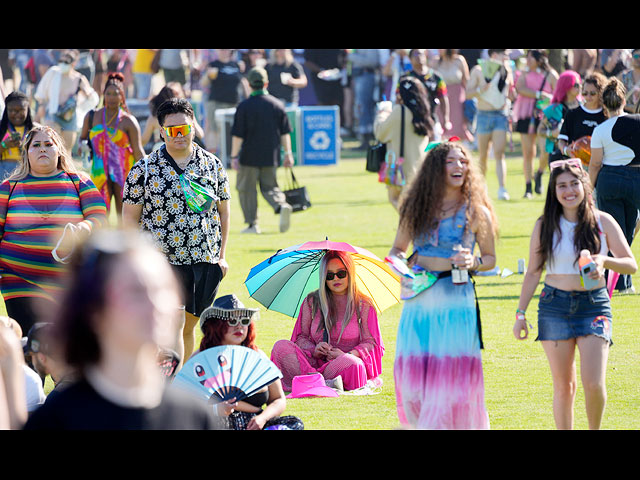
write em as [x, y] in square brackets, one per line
[311, 385]
[258, 77]
[38, 338]
[227, 306]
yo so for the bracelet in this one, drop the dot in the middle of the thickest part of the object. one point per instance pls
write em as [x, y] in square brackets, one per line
[521, 311]
[4, 145]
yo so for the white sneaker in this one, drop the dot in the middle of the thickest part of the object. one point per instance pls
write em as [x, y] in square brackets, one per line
[285, 217]
[335, 383]
[628, 291]
[252, 229]
[503, 194]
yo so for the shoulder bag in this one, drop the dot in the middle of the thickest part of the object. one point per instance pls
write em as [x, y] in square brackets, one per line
[297, 196]
[391, 171]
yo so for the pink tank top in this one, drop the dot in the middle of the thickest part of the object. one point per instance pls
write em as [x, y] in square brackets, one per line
[523, 106]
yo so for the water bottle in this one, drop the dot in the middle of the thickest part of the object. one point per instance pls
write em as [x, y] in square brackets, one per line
[459, 276]
[586, 264]
[84, 152]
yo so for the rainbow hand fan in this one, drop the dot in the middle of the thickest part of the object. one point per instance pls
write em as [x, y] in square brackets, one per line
[229, 371]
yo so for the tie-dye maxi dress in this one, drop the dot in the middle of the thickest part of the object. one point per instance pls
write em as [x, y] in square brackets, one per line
[438, 366]
[112, 157]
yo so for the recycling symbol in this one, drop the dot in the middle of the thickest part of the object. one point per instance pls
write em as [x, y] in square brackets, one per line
[320, 140]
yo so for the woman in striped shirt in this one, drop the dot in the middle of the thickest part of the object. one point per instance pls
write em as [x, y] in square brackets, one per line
[44, 193]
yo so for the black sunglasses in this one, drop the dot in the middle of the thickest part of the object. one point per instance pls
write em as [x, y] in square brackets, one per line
[339, 274]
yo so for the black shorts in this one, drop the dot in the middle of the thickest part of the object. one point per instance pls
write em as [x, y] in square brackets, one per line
[522, 125]
[200, 282]
[29, 310]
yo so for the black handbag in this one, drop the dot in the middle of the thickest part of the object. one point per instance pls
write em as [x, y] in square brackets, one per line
[297, 196]
[375, 156]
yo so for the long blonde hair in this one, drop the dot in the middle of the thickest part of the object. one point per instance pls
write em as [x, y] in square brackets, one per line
[323, 298]
[65, 161]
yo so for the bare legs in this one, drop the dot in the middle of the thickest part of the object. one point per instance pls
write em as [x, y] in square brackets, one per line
[499, 140]
[594, 352]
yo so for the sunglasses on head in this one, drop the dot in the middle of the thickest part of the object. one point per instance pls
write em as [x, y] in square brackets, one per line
[182, 130]
[573, 162]
[340, 274]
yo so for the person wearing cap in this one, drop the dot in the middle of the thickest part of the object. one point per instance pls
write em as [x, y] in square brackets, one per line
[45, 359]
[228, 322]
[260, 129]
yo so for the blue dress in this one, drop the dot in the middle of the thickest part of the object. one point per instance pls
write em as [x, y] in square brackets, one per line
[438, 365]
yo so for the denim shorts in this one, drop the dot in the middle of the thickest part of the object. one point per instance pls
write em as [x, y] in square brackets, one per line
[563, 315]
[488, 121]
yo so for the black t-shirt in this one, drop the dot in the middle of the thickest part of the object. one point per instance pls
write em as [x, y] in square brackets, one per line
[284, 92]
[80, 407]
[260, 121]
[578, 123]
[225, 88]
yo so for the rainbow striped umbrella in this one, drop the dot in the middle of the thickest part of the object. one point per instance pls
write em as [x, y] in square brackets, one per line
[282, 281]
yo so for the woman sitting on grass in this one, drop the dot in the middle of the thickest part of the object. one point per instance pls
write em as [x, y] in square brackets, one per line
[337, 331]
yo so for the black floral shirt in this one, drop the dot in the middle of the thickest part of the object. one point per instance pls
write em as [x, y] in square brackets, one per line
[184, 236]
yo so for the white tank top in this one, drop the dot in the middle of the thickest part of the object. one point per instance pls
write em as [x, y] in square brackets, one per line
[564, 257]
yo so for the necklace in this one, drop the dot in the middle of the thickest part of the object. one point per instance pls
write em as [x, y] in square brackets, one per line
[444, 211]
[112, 118]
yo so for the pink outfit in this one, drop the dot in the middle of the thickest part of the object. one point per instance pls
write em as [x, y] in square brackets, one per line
[523, 106]
[295, 357]
[457, 96]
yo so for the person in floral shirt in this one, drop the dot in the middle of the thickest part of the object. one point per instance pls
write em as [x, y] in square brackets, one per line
[180, 194]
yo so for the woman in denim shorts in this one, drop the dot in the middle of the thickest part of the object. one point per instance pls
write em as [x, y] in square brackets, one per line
[573, 310]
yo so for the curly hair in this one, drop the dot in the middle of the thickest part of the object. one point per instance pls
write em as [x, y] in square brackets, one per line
[414, 96]
[420, 208]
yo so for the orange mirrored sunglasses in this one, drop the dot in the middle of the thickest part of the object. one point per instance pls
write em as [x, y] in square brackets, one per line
[182, 130]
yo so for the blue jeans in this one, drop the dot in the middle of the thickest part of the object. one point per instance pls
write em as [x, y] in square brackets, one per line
[563, 315]
[488, 121]
[618, 194]
[363, 87]
[143, 85]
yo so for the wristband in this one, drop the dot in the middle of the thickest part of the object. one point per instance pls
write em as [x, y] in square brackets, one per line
[521, 311]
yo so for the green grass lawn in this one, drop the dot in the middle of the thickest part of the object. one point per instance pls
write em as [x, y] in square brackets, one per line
[349, 205]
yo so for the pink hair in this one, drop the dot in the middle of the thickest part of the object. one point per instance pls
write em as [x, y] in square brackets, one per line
[566, 82]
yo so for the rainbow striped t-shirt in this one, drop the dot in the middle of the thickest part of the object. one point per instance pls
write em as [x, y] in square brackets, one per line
[33, 213]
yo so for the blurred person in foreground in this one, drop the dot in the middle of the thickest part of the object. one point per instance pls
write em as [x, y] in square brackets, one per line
[121, 302]
[13, 401]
